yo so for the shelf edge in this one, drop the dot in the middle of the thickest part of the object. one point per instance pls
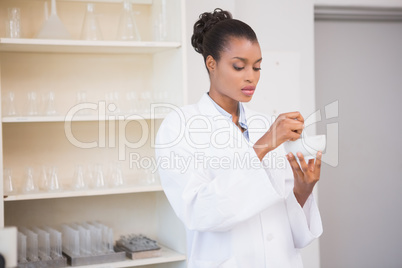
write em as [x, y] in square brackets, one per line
[72, 194]
[83, 46]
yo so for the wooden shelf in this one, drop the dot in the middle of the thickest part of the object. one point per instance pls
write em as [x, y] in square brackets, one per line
[38, 119]
[90, 192]
[83, 46]
[167, 255]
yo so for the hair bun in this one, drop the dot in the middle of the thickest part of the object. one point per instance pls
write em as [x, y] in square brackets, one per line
[206, 21]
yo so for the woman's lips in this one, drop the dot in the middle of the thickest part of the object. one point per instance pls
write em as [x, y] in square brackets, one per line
[248, 90]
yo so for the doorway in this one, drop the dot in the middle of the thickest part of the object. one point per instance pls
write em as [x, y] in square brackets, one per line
[358, 65]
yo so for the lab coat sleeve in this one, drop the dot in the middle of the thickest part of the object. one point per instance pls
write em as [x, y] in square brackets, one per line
[202, 201]
[305, 221]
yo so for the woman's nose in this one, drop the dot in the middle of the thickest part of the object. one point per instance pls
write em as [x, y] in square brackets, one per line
[251, 76]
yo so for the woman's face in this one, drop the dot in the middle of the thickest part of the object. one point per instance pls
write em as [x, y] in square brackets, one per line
[236, 74]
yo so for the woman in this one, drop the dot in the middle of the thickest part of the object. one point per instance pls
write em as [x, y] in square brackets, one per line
[238, 210]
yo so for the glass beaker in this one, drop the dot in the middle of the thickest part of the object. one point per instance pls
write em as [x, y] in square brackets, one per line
[146, 100]
[10, 104]
[79, 182]
[29, 183]
[50, 106]
[89, 176]
[99, 178]
[128, 29]
[13, 23]
[160, 22]
[83, 103]
[132, 99]
[8, 182]
[116, 175]
[54, 180]
[32, 103]
[112, 102]
[90, 28]
[44, 179]
[150, 176]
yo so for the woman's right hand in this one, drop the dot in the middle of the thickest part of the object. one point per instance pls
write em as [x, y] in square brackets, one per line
[287, 126]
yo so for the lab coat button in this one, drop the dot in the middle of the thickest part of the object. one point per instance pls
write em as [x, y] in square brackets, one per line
[269, 237]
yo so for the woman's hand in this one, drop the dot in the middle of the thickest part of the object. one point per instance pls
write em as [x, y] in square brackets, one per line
[305, 175]
[287, 126]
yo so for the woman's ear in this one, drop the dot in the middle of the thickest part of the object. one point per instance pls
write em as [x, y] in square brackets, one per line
[210, 63]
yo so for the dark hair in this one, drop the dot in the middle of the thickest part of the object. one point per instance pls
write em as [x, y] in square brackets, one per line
[213, 30]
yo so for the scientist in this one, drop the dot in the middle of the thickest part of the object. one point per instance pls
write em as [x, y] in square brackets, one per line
[238, 211]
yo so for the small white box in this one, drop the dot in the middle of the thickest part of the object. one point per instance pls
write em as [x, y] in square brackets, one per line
[8, 245]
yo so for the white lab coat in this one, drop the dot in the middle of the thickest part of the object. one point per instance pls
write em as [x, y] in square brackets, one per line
[238, 213]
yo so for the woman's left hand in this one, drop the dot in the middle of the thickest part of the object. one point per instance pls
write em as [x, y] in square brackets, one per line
[306, 175]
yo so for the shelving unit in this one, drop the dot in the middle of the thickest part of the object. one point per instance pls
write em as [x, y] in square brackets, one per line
[167, 255]
[66, 67]
[83, 46]
[81, 118]
[90, 192]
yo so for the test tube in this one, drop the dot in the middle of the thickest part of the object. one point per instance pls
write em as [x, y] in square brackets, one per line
[43, 244]
[32, 244]
[55, 243]
[104, 236]
[22, 248]
[13, 24]
[96, 238]
[85, 240]
[71, 240]
[110, 240]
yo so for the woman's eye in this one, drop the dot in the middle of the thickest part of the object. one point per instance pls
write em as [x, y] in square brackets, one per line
[257, 69]
[238, 68]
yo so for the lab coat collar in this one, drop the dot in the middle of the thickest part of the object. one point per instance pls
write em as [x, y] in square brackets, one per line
[206, 107]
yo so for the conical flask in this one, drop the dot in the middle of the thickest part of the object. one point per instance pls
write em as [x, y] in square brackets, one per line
[29, 183]
[127, 26]
[54, 180]
[10, 104]
[90, 28]
[53, 27]
[8, 182]
[99, 178]
[79, 182]
[116, 175]
[44, 179]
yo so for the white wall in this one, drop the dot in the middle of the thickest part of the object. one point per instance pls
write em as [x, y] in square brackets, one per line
[285, 26]
[364, 3]
[359, 65]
